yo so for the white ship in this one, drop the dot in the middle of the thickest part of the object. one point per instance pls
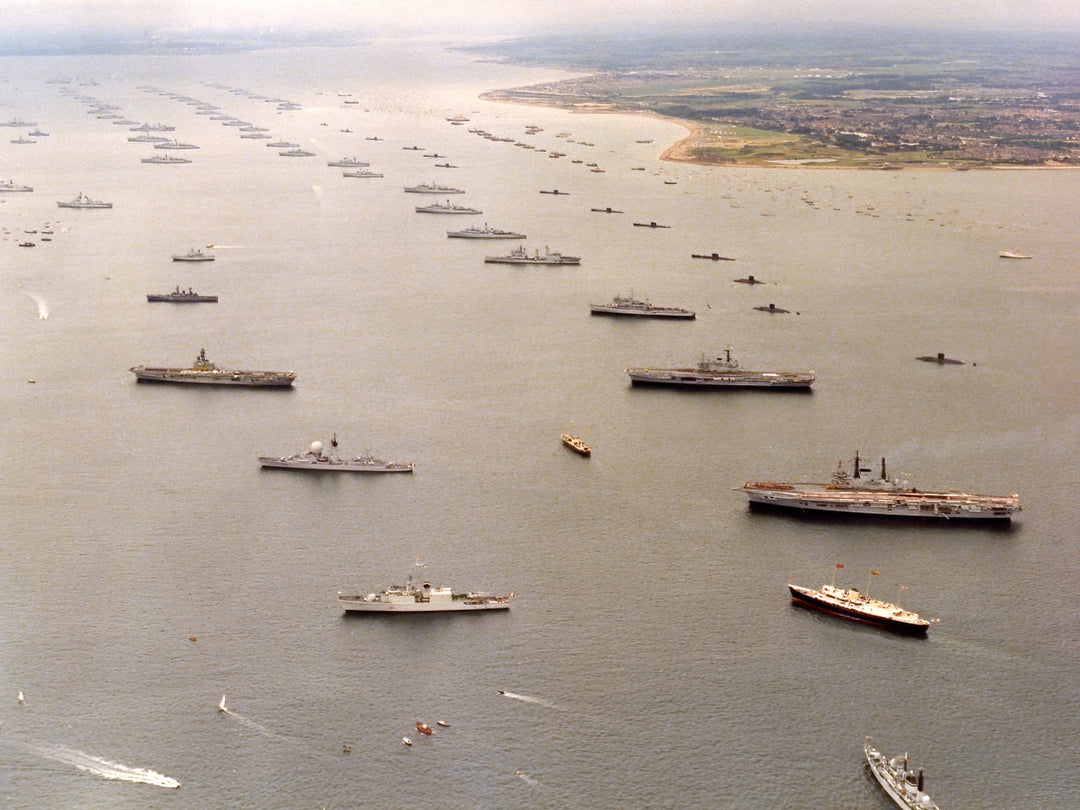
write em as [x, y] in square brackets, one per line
[641, 308]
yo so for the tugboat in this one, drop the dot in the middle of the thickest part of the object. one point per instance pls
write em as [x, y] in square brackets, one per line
[628, 305]
[721, 372]
[521, 256]
[317, 461]
[206, 373]
[577, 444]
[423, 598]
[850, 494]
[178, 296]
[896, 777]
[848, 603]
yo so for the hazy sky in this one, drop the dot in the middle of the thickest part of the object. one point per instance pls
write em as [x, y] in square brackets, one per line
[459, 17]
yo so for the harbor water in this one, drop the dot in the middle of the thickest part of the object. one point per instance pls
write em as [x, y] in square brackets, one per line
[652, 657]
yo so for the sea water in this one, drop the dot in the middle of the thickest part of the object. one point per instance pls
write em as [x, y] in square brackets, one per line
[652, 657]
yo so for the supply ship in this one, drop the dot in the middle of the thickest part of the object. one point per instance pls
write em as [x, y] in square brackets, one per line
[206, 373]
[721, 372]
[851, 494]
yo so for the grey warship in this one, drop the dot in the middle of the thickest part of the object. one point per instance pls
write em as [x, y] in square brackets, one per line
[851, 494]
[721, 372]
[203, 372]
[318, 461]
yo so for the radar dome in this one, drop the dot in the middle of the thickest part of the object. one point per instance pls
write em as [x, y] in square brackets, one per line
[316, 448]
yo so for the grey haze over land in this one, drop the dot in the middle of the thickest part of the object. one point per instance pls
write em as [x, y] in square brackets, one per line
[42, 26]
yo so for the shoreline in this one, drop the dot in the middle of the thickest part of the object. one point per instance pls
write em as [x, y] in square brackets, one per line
[698, 136]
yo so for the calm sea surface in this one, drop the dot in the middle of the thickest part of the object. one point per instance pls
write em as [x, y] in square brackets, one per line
[652, 657]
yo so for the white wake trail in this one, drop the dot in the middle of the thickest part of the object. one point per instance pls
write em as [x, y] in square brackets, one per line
[103, 767]
[42, 305]
[528, 699]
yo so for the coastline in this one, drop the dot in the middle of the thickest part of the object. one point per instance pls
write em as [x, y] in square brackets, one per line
[699, 137]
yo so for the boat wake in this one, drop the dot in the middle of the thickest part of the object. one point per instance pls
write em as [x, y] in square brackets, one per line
[258, 727]
[42, 306]
[103, 767]
[524, 777]
[528, 699]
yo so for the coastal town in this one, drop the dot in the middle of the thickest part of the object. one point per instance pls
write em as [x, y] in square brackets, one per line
[970, 111]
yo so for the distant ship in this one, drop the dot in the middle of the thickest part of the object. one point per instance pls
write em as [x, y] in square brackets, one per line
[348, 163]
[1013, 254]
[17, 122]
[521, 256]
[206, 373]
[577, 444]
[10, 185]
[296, 153]
[174, 145]
[849, 603]
[716, 257]
[153, 128]
[637, 307]
[193, 255]
[484, 233]
[904, 785]
[850, 494]
[446, 208]
[721, 372]
[433, 188]
[165, 159]
[178, 296]
[361, 173]
[316, 460]
[423, 598]
[82, 201]
[146, 138]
